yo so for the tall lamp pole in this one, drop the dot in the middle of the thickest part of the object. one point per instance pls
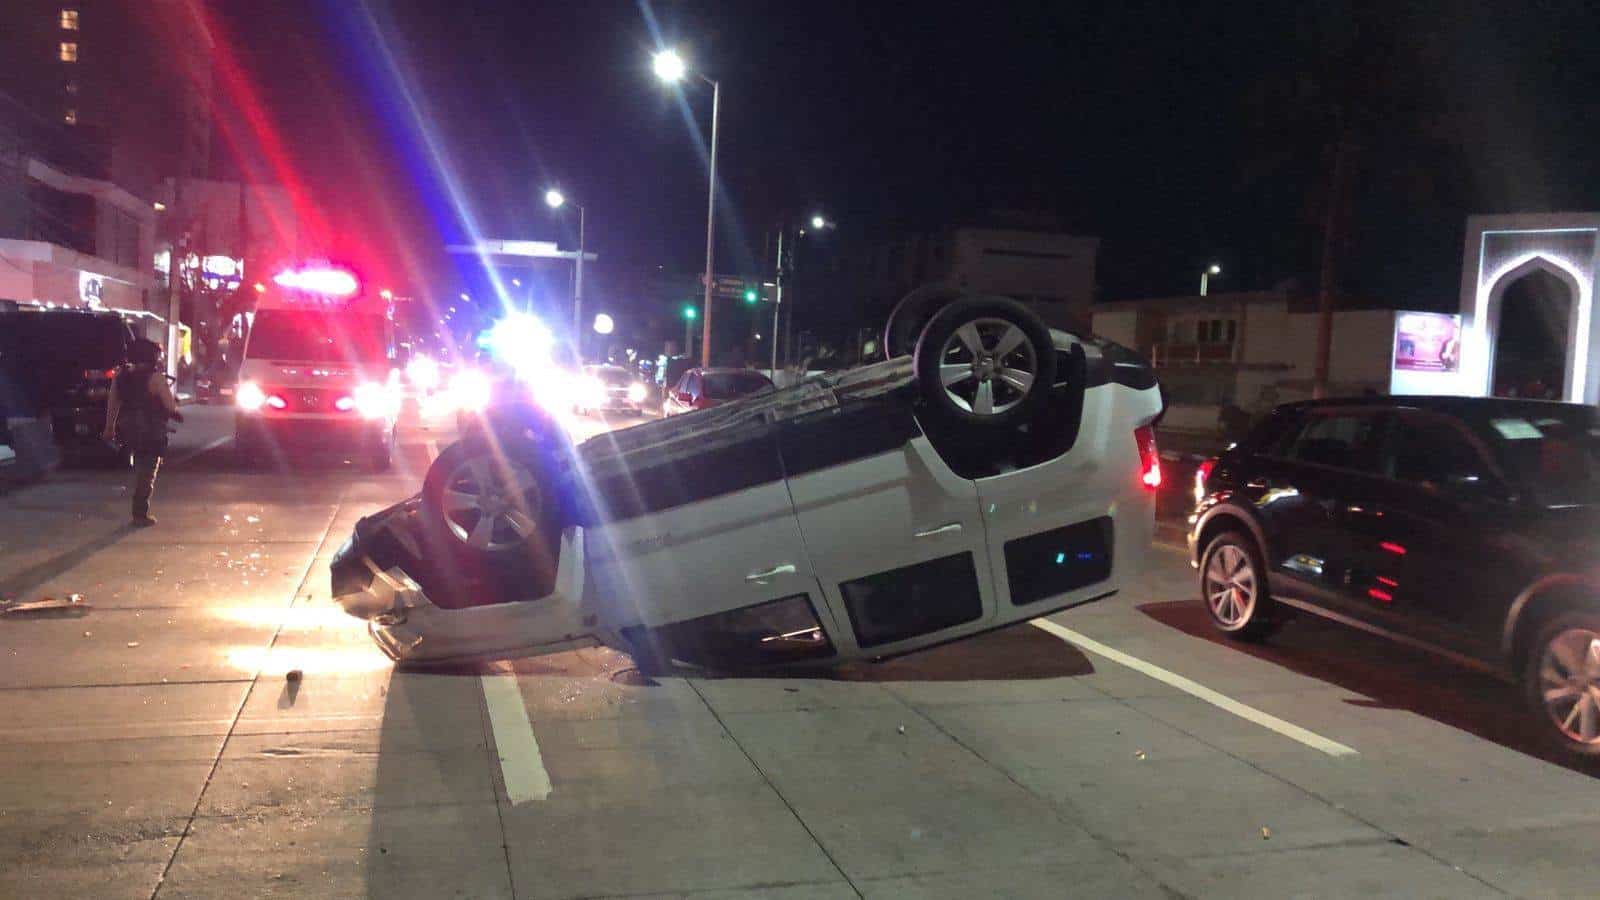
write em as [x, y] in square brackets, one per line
[1205, 277]
[818, 223]
[555, 200]
[670, 67]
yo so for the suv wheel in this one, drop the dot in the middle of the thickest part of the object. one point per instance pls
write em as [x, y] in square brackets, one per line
[1233, 587]
[985, 361]
[497, 502]
[1562, 681]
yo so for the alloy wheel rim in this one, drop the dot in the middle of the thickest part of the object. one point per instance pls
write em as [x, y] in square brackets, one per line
[1230, 586]
[988, 366]
[491, 504]
[1569, 683]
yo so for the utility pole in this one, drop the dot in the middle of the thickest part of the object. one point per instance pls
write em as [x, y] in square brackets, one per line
[577, 290]
[777, 305]
[1332, 221]
[174, 280]
[711, 212]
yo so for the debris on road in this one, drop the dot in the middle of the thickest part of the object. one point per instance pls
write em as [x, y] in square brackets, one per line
[293, 675]
[70, 606]
[133, 643]
[901, 729]
[1266, 833]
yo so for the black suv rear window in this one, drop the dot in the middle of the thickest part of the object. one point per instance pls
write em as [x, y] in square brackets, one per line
[71, 339]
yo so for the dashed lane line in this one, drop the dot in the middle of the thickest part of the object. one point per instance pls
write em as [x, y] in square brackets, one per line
[1199, 691]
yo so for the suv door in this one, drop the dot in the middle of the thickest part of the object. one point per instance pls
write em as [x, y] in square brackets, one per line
[1424, 554]
[698, 543]
[896, 536]
[1296, 484]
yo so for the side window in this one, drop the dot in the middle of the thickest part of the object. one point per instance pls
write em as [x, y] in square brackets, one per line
[1431, 450]
[1335, 438]
[691, 384]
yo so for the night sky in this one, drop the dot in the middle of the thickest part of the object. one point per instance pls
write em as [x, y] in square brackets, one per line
[1180, 133]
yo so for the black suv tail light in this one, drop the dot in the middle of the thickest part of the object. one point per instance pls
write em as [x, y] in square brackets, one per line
[1149, 459]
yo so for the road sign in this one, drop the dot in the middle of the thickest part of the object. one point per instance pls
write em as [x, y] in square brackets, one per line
[731, 287]
[536, 249]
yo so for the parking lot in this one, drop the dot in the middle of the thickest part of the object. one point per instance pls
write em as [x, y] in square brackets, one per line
[155, 745]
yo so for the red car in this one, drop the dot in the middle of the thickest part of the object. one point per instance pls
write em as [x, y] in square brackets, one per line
[705, 388]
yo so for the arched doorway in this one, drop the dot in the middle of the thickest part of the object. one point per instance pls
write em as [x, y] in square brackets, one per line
[1533, 337]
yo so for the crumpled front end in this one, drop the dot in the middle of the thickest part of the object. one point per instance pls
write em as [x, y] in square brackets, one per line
[382, 575]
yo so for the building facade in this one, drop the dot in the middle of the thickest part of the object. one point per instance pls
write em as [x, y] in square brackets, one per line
[1251, 350]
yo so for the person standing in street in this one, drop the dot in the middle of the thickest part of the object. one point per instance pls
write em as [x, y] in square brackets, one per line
[137, 412]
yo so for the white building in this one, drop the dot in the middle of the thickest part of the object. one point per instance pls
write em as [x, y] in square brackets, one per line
[75, 241]
[1253, 350]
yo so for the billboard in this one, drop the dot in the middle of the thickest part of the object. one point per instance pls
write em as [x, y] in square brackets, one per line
[1426, 354]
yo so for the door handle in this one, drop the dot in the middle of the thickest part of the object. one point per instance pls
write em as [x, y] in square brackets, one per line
[946, 528]
[764, 577]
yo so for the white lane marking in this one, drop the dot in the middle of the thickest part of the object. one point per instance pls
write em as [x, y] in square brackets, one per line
[1199, 691]
[521, 764]
[204, 448]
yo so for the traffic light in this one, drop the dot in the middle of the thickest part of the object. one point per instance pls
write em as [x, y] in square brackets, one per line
[750, 295]
[690, 313]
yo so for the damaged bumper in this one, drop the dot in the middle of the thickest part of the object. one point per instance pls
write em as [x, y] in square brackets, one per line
[380, 573]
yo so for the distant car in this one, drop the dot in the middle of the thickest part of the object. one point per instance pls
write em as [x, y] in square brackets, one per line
[705, 388]
[58, 365]
[990, 472]
[604, 388]
[1467, 526]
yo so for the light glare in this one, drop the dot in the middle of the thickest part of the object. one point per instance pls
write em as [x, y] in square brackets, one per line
[669, 66]
[554, 199]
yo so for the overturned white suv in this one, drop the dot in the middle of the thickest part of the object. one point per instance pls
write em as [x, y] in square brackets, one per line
[991, 471]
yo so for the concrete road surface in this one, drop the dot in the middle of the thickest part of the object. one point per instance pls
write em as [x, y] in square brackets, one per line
[154, 747]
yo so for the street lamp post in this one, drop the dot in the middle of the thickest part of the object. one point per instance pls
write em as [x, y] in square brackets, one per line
[670, 67]
[817, 224]
[1205, 277]
[555, 200]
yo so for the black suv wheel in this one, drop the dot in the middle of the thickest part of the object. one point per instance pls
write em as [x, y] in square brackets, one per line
[1562, 681]
[1233, 587]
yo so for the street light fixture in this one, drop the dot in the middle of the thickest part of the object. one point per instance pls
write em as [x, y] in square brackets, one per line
[465, 297]
[603, 324]
[555, 200]
[386, 294]
[1205, 277]
[671, 68]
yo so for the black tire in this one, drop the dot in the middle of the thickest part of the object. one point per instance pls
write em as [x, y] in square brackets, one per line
[519, 480]
[1247, 613]
[912, 314]
[988, 391]
[1578, 629]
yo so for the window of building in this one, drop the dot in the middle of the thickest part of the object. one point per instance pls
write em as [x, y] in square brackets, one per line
[71, 116]
[69, 20]
[69, 51]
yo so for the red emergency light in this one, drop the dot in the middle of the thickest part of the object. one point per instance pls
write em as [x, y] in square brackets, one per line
[328, 282]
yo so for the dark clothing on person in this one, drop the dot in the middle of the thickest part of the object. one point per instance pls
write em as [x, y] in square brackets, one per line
[136, 418]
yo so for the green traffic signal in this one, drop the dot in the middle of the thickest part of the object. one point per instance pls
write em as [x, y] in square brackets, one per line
[750, 296]
[689, 312]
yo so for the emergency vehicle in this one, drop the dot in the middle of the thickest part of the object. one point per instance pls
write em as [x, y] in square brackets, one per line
[319, 369]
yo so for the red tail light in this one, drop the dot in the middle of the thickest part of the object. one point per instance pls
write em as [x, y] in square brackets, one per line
[99, 375]
[1201, 473]
[1149, 460]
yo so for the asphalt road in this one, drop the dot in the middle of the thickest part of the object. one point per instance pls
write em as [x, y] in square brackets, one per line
[154, 747]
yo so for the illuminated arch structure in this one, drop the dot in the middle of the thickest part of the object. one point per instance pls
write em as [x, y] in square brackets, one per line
[1502, 249]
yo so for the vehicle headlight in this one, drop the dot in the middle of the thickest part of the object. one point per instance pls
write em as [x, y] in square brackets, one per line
[636, 393]
[469, 391]
[249, 396]
[373, 401]
[423, 372]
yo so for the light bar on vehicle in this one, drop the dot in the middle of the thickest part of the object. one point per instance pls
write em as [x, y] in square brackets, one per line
[330, 282]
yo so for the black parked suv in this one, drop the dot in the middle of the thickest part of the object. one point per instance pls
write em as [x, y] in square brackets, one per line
[1466, 526]
[57, 365]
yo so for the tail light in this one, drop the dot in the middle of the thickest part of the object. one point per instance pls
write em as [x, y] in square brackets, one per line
[99, 374]
[1200, 476]
[1149, 460]
[375, 401]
